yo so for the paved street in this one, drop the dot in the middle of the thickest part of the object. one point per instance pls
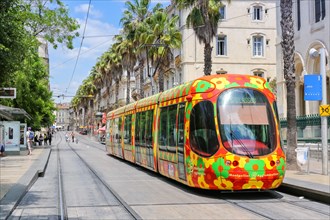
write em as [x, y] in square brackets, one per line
[88, 174]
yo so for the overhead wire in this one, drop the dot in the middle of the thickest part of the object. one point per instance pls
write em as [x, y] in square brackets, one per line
[81, 43]
[99, 36]
[68, 60]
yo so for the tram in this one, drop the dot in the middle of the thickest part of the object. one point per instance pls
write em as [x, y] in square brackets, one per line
[218, 132]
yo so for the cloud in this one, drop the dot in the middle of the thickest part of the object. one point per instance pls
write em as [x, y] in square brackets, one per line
[83, 8]
[62, 60]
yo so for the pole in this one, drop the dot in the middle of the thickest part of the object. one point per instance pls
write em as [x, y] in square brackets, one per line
[324, 122]
[149, 75]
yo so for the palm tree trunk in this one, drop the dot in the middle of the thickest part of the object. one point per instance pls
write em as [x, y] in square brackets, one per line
[141, 68]
[117, 92]
[128, 90]
[289, 76]
[207, 59]
[161, 79]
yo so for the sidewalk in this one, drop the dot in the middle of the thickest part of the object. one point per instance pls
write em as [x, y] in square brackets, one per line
[311, 185]
[18, 173]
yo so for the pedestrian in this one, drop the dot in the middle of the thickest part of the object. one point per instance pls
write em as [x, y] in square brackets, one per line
[2, 150]
[67, 137]
[29, 138]
[72, 135]
[49, 137]
[45, 138]
[41, 139]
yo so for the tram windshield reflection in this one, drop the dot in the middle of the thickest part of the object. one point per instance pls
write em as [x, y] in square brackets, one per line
[246, 122]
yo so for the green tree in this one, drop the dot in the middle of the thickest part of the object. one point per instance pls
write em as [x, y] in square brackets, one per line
[33, 94]
[116, 68]
[288, 49]
[50, 20]
[13, 40]
[203, 18]
[133, 21]
[162, 31]
[21, 22]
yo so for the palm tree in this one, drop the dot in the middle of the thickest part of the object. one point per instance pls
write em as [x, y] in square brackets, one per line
[127, 51]
[96, 74]
[203, 18]
[133, 21]
[116, 70]
[288, 49]
[164, 33]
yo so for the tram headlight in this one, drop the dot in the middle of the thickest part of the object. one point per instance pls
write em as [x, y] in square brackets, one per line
[272, 163]
[235, 163]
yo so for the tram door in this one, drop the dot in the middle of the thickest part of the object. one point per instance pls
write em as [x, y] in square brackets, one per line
[143, 138]
[180, 141]
[148, 138]
[171, 138]
[117, 136]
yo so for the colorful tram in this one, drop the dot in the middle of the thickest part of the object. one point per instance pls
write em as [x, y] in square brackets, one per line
[218, 132]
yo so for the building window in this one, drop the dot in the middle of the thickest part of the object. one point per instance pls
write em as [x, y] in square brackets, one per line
[298, 15]
[257, 13]
[222, 11]
[221, 47]
[258, 46]
[258, 73]
[319, 6]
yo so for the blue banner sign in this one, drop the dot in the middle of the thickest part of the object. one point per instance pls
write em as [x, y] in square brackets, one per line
[313, 87]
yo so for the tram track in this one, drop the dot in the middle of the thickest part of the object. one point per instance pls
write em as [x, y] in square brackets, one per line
[299, 204]
[129, 211]
[276, 199]
[252, 202]
[61, 199]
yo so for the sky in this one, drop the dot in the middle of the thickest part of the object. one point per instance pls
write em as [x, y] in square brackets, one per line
[68, 68]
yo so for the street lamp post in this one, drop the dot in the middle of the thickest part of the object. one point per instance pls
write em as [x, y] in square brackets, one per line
[324, 123]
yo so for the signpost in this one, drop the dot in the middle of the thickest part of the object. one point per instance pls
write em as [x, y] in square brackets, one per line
[7, 93]
[324, 108]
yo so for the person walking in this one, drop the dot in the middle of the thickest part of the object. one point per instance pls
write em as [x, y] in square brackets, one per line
[72, 135]
[41, 139]
[45, 138]
[29, 138]
[49, 137]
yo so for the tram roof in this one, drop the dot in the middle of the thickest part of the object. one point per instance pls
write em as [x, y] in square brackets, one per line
[151, 100]
[195, 86]
[176, 92]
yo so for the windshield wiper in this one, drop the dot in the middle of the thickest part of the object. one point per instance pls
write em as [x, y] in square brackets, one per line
[234, 137]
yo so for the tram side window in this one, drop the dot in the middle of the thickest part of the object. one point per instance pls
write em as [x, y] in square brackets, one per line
[116, 130]
[127, 129]
[107, 137]
[148, 133]
[142, 128]
[171, 120]
[163, 129]
[203, 138]
[111, 130]
[167, 131]
[137, 129]
[180, 137]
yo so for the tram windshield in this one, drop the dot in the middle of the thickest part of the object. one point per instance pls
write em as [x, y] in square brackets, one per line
[246, 122]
